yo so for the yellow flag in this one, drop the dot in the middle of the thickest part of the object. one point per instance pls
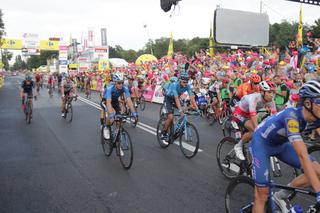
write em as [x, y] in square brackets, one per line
[170, 49]
[211, 51]
[299, 36]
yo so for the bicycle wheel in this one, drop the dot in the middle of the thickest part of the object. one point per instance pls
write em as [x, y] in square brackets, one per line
[69, 114]
[227, 128]
[189, 141]
[210, 115]
[125, 148]
[162, 112]
[106, 144]
[159, 130]
[133, 121]
[142, 103]
[229, 164]
[240, 195]
[314, 151]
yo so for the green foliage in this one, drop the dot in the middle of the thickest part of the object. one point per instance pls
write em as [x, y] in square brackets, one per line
[19, 64]
[1, 25]
[36, 61]
[6, 57]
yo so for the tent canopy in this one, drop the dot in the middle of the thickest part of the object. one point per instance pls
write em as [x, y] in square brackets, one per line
[118, 62]
[145, 58]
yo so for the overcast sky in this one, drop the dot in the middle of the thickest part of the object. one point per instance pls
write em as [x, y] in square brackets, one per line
[124, 19]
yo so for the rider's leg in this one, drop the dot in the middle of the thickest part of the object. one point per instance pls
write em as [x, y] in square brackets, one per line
[168, 122]
[245, 138]
[260, 199]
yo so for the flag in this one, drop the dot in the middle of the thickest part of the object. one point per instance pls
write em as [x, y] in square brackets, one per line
[170, 49]
[299, 36]
[211, 51]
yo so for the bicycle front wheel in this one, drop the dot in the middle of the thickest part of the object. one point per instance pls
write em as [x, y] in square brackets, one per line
[142, 103]
[240, 195]
[229, 164]
[189, 141]
[106, 144]
[125, 149]
[70, 113]
[160, 126]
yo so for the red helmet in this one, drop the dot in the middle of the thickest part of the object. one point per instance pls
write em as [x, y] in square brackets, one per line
[271, 85]
[254, 78]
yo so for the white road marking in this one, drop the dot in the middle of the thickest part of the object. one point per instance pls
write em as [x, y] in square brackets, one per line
[140, 125]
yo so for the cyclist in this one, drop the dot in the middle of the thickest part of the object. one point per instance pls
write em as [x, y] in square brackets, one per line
[249, 87]
[103, 103]
[282, 93]
[59, 81]
[87, 83]
[38, 79]
[280, 136]
[132, 89]
[50, 82]
[172, 99]
[67, 89]
[245, 113]
[112, 95]
[26, 89]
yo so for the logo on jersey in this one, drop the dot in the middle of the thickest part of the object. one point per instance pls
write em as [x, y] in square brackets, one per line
[293, 126]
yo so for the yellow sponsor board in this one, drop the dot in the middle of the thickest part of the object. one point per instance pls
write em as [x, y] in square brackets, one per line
[49, 45]
[293, 126]
[8, 43]
[103, 64]
[73, 66]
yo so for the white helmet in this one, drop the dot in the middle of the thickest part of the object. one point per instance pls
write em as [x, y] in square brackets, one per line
[264, 86]
[117, 77]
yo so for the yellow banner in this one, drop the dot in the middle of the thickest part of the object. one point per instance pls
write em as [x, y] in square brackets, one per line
[103, 64]
[170, 48]
[7, 43]
[299, 36]
[73, 66]
[49, 45]
[211, 51]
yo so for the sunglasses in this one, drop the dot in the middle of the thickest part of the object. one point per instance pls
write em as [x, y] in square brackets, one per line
[255, 83]
[183, 82]
[316, 101]
[120, 82]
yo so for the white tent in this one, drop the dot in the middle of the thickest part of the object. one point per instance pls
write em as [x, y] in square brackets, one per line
[118, 62]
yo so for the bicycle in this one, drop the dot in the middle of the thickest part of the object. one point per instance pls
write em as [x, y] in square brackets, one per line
[239, 196]
[28, 109]
[120, 140]
[184, 130]
[141, 101]
[50, 91]
[68, 110]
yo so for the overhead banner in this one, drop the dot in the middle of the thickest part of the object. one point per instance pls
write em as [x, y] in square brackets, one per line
[30, 41]
[49, 45]
[104, 37]
[7, 43]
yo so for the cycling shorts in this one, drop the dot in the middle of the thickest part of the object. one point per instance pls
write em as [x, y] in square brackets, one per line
[170, 103]
[240, 117]
[261, 152]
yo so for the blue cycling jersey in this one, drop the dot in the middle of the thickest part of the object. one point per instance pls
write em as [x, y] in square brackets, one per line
[285, 125]
[174, 90]
[112, 93]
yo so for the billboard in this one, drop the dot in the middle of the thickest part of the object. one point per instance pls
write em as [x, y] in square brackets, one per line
[49, 45]
[15, 44]
[241, 27]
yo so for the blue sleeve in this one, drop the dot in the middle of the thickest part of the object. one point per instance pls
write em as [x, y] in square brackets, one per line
[189, 91]
[22, 84]
[126, 92]
[175, 90]
[107, 95]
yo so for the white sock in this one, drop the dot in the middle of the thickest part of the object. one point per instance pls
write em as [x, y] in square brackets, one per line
[284, 194]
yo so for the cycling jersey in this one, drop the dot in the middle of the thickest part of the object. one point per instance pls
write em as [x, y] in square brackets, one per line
[225, 94]
[67, 86]
[274, 137]
[113, 94]
[174, 90]
[252, 103]
[214, 89]
[38, 78]
[245, 89]
[27, 86]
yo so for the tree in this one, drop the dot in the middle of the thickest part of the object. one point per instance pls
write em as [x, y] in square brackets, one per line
[19, 64]
[316, 29]
[1, 25]
[36, 61]
[6, 57]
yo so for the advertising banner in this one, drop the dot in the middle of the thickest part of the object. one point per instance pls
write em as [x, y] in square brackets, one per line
[104, 37]
[149, 91]
[14, 44]
[158, 96]
[63, 55]
[63, 62]
[31, 41]
[49, 45]
[63, 68]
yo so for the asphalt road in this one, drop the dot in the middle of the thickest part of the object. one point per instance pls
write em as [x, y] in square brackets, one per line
[55, 166]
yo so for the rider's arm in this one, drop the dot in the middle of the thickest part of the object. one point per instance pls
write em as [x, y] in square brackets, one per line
[253, 112]
[192, 100]
[62, 89]
[108, 97]
[294, 136]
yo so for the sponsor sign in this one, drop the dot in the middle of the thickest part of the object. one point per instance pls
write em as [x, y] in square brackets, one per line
[293, 126]
[63, 62]
[15, 44]
[158, 96]
[49, 45]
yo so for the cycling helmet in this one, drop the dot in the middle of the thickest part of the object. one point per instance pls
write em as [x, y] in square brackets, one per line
[117, 77]
[254, 78]
[184, 76]
[174, 79]
[311, 89]
[264, 86]
[28, 77]
[271, 85]
[130, 77]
